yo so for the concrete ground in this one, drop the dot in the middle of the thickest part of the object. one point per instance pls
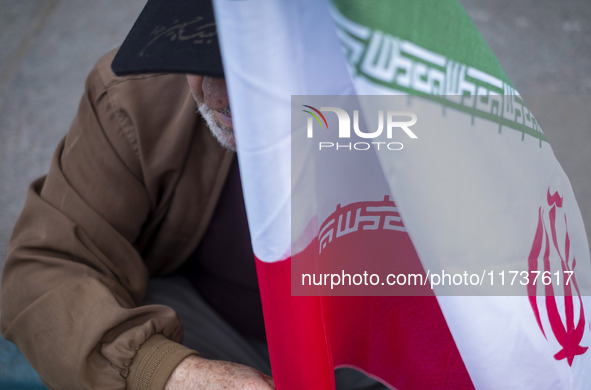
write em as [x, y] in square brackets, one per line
[48, 46]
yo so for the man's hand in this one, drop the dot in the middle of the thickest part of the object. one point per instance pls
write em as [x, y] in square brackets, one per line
[198, 373]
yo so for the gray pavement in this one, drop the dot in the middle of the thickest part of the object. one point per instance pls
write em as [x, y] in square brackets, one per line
[46, 49]
[48, 46]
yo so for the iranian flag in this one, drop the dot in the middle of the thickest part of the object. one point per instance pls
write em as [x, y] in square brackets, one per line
[408, 216]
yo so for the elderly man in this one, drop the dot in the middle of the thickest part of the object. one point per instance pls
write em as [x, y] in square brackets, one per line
[140, 226]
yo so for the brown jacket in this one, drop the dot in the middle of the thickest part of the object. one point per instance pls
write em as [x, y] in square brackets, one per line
[130, 192]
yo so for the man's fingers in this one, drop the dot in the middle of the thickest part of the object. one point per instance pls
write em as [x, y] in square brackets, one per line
[201, 373]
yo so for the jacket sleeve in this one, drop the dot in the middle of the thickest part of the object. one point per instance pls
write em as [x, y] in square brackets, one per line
[73, 278]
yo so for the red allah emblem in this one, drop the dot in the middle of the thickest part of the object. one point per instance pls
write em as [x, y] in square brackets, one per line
[546, 241]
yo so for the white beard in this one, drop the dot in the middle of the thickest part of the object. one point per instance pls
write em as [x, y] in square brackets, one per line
[224, 134]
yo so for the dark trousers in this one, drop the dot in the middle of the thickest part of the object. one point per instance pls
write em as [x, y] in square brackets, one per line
[206, 332]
